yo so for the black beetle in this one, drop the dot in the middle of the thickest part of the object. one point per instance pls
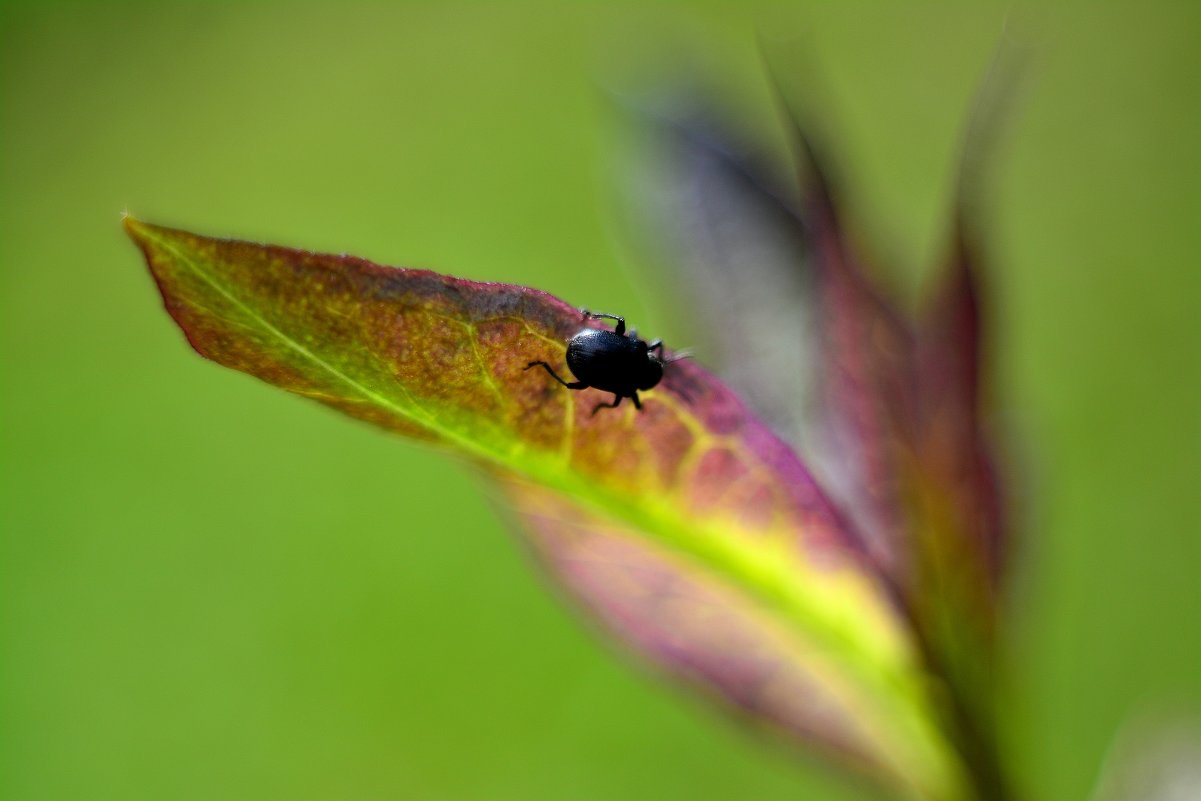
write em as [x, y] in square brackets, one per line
[613, 361]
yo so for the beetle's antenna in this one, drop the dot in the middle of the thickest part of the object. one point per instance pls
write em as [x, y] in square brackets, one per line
[679, 356]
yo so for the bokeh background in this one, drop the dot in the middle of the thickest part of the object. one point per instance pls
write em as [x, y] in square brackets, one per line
[212, 590]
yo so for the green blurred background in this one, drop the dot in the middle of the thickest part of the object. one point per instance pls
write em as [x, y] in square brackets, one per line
[212, 590]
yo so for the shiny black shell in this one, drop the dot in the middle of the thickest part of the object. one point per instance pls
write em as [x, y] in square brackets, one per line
[612, 362]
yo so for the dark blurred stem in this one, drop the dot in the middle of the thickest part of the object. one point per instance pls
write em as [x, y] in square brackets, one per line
[978, 747]
[972, 729]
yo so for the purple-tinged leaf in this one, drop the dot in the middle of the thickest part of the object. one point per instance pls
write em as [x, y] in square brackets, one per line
[693, 499]
[706, 204]
[794, 322]
[951, 350]
[867, 378]
[956, 506]
[903, 450]
[695, 627]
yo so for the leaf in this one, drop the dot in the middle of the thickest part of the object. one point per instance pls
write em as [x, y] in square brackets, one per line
[956, 500]
[867, 375]
[703, 631]
[688, 512]
[952, 339]
[803, 333]
[709, 207]
[900, 437]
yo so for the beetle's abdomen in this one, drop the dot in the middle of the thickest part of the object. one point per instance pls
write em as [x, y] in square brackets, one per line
[604, 360]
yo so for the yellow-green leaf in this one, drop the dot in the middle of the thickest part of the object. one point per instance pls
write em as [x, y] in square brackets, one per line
[692, 495]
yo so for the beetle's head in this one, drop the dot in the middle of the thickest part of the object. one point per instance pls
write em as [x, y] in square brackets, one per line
[650, 372]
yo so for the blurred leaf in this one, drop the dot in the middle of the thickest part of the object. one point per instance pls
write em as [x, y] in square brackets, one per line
[899, 438]
[689, 528]
[708, 202]
[954, 491]
[952, 337]
[795, 324]
[866, 373]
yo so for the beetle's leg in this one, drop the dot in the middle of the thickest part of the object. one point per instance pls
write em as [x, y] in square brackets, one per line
[621, 321]
[554, 375]
[656, 345]
[637, 404]
[616, 402]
